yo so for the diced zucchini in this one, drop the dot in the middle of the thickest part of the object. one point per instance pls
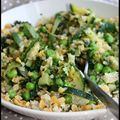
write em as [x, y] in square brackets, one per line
[44, 79]
[25, 54]
[71, 58]
[107, 27]
[17, 38]
[78, 10]
[79, 33]
[31, 55]
[58, 20]
[29, 31]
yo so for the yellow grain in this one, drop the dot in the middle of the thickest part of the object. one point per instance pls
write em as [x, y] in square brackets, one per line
[41, 54]
[99, 106]
[54, 100]
[74, 108]
[18, 60]
[42, 104]
[86, 107]
[21, 103]
[61, 90]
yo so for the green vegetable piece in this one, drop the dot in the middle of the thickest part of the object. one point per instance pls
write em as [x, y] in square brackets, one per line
[107, 53]
[51, 53]
[29, 31]
[68, 84]
[78, 81]
[58, 20]
[68, 99]
[78, 10]
[43, 29]
[109, 38]
[80, 93]
[93, 78]
[12, 93]
[26, 95]
[93, 46]
[59, 82]
[34, 75]
[63, 42]
[24, 55]
[106, 69]
[3, 40]
[79, 33]
[98, 67]
[92, 102]
[30, 86]
[45, 79]
[17, 37]
[107, 27]
[12, 73]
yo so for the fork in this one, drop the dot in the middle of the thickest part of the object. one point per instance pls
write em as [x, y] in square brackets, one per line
[111, 105]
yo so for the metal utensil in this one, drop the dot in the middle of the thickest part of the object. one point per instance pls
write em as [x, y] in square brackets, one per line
[111, 105]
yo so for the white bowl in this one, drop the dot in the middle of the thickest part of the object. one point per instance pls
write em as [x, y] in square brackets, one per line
[31, 12]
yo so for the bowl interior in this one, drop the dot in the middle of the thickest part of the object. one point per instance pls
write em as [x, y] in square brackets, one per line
[32, 12]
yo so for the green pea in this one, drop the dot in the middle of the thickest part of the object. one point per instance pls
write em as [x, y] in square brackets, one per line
[59, 82]
[98, 67]
[93, 46]
[106, 69]
[30, 86]
[93, 77]
[108, 38]
[68, 99]
[12, 73]
[34, 75]
[26, 95]
[51, 53]
[12, 93]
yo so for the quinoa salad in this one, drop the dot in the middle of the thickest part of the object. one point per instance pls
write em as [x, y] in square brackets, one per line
[40, 64]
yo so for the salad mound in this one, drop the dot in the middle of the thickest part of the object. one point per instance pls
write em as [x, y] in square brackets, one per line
[40, 64]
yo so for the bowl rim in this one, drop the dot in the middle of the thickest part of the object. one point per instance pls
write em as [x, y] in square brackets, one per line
[23, 109]
[13, 107]
[100, 1]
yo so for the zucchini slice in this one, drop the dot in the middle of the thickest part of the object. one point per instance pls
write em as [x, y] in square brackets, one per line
[80, 93]
[78, 81]
[24, 55]
[75, 92]
[58, 20]
[17, 38]
[29, 31]
[78, 10]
